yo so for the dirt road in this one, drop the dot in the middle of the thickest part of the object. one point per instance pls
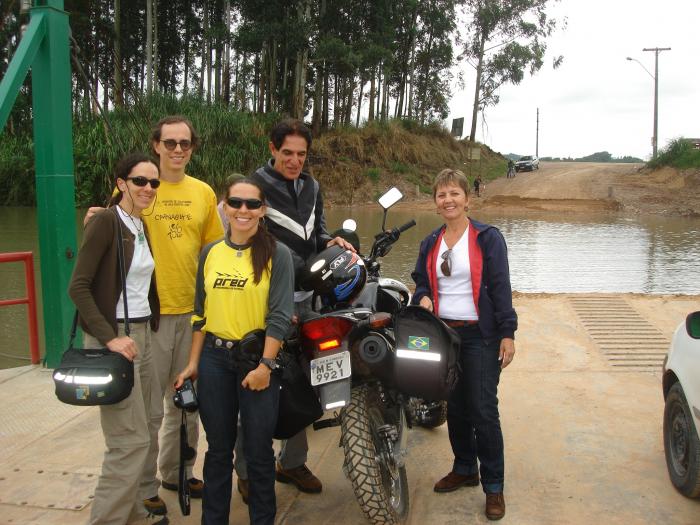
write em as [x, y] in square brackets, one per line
[590, 186]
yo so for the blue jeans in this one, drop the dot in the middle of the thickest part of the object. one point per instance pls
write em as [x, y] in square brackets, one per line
[221, 397]
[473, 422]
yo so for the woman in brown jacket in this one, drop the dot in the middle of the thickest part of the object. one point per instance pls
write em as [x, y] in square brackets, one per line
[129, 427]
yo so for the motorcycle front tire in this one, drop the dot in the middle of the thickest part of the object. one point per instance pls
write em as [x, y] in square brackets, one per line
[382, 498]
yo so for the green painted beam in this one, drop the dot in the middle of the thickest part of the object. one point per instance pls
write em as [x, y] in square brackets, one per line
[19, 66]
[55, 191]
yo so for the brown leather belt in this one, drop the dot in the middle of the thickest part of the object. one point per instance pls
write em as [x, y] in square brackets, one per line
[459, 323]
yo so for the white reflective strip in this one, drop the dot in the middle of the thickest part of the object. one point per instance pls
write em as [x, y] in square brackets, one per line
[285, 222]
[423, 356]
[310, 222]
[84, 380]
[335, 405]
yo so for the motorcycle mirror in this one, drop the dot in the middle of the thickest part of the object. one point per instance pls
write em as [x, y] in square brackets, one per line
[349, 234]
[390, 198]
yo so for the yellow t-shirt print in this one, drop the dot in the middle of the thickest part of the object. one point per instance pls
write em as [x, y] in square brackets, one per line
[183, 220]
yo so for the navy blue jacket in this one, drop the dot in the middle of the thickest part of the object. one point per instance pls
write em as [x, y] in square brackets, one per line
[488, 261]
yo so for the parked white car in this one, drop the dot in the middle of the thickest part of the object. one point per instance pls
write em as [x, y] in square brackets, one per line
[681, 388]
[527, 163]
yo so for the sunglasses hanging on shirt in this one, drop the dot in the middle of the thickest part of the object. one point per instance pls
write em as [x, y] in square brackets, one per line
[446, 265]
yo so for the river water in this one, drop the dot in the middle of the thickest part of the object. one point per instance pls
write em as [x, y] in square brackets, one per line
[552, 252]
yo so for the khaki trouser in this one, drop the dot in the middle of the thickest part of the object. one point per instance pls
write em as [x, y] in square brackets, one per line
[131, 433]
[171, 346]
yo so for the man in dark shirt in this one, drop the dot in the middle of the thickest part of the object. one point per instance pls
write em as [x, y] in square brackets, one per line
[295, 217]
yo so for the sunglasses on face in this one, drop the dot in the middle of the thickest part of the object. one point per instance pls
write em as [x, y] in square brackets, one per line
[251, 204]
[171, 144]
[142, 181]
[446, 265]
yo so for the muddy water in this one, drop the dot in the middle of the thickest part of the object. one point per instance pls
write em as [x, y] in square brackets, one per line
[547, 253]
[565, 253]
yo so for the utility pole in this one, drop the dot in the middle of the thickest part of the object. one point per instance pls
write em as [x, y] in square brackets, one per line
[655, 139]
[537, 135]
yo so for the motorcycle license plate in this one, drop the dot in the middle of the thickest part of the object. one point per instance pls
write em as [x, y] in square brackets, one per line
[330, 368]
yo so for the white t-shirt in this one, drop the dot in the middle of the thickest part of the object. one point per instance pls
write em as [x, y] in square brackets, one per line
[138, 279]
[455, 292]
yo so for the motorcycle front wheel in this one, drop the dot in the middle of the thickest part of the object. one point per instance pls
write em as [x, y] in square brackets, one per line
[380, 486]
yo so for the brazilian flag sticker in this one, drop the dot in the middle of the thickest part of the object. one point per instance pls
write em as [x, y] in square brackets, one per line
[418, 343]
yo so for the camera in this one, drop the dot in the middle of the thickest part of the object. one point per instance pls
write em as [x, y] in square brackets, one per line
[185, 396]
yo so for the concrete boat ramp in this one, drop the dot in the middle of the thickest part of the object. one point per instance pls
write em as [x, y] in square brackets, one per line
[581, 416]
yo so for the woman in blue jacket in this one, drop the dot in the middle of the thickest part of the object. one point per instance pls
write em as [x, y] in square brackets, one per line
[462, 276]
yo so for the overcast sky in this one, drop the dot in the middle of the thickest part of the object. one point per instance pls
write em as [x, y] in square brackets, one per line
[597, 100]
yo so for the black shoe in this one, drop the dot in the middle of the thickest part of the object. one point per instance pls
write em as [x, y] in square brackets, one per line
[196, 487]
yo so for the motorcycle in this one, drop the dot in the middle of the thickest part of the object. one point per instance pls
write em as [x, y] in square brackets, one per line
[350, 344]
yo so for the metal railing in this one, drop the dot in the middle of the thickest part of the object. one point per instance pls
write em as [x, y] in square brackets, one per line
[30, 300]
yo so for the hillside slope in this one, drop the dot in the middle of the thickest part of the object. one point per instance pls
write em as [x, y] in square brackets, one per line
[355, 165]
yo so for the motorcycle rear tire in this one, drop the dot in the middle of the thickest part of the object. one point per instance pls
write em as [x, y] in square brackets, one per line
[383, 500]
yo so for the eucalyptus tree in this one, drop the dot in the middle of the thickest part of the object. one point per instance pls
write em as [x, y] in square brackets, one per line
[506, 39]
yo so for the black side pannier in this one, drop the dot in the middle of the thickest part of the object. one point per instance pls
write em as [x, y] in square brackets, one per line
[427, 355]
[88, 377]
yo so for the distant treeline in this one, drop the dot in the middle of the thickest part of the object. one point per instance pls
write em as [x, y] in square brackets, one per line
[601, 156]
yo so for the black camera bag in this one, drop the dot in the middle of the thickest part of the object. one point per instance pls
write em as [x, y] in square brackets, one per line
[76, 381]
[87, 376]
[427, 355]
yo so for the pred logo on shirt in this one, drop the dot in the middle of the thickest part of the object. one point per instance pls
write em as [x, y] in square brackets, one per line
[226, 281]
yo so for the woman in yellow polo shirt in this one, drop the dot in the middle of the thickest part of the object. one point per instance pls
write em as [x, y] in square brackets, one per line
[244, 283]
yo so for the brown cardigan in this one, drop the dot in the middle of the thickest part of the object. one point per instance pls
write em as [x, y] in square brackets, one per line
[96, 283]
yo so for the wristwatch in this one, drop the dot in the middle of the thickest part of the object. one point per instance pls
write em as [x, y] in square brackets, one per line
[272, 364]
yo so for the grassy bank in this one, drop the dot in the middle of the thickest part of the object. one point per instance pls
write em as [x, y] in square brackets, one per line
[353, 165]
[680, 153]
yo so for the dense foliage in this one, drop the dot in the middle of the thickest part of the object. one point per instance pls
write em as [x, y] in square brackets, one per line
[328, 61]
[679, 153]
[231, 141]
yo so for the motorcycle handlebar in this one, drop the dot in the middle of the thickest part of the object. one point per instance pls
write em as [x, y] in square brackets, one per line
[404, 227]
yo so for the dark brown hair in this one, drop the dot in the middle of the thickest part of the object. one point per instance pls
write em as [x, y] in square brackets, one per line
[124, 167]
[262, 243]
[289, 126]
[174, 119]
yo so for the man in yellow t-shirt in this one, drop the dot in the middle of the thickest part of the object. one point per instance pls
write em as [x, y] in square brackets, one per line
[184, 219]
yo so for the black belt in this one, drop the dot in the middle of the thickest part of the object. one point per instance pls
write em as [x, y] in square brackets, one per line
[457, 323]
[220, 342]
[143, 319]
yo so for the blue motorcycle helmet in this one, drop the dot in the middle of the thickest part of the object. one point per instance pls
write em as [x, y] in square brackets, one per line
[336, 275]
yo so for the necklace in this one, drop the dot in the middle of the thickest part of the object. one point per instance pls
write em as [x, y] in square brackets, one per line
[240, 248]
[139, 229]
